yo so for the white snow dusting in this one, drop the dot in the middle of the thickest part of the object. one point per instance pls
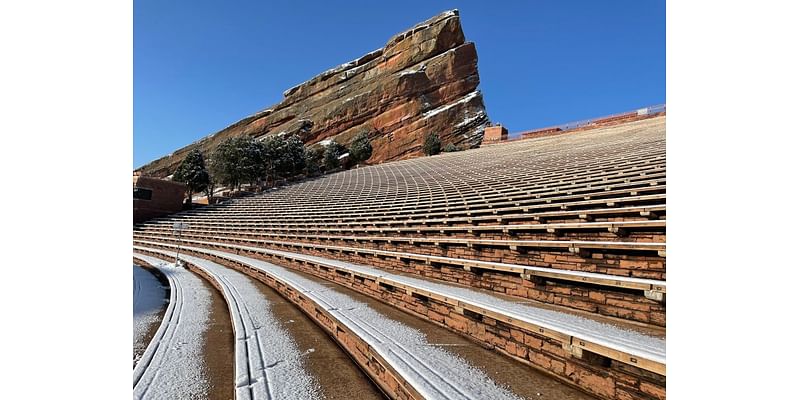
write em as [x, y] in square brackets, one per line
[649, 347]
[433, 371]
[446, 107]
[268, 363]
[172, 365]
[148, 300]
[635, 343]
[468, 120]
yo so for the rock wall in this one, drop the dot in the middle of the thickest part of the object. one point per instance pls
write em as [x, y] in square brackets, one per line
[424, 80]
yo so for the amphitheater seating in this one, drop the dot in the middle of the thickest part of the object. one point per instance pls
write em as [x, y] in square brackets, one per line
[526, 271]
[459, 298]
[573, 223]
[577, 220]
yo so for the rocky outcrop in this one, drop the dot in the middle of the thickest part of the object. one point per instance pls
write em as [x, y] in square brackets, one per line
[423, 81]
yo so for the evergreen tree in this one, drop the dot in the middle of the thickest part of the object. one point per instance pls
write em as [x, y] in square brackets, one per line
[285, 156]
[451, 148]
[313, 156]
[212, 184]
[360, 148]
[193, 173]
[294, 156]
[237, 160]
[432, 144]
[251, 163]
[332, 154]
[272, 154]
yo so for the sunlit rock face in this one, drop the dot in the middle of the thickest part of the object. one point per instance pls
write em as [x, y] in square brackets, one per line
[424, 80]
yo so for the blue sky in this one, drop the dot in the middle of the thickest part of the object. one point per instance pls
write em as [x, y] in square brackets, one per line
[201, 65]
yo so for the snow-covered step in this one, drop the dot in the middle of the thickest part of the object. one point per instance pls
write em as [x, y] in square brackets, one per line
[267, 361]
[432, 371]
[623, 345]
[149, 298]
[608, 280]
[172, 364]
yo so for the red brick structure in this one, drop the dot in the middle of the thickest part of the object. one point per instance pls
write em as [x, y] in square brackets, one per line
[154, 197]
[495, 134]
[612, 120]
[541, 133]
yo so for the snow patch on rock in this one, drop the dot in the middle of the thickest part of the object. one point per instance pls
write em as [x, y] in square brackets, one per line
[448, 106]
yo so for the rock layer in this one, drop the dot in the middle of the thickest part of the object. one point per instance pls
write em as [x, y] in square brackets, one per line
[423, 81]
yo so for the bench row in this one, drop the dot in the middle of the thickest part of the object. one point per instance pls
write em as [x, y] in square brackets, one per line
[651, 287]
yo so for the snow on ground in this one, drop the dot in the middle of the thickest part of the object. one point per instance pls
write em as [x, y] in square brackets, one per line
[148, 302]
[645, 346]
[635, 343]
[172, 365]
[531, 268]
[432, 370]
[269, 364]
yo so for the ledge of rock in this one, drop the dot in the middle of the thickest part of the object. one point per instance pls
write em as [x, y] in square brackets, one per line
[424, 80]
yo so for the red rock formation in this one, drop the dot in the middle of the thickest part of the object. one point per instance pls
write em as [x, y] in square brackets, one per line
[423, 81]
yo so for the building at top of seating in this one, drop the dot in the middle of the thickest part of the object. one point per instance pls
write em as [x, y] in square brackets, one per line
[153, 197]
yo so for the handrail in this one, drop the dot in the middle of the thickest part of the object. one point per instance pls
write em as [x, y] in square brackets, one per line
[649, 110]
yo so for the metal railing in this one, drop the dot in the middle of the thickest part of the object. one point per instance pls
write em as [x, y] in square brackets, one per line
[654, 109]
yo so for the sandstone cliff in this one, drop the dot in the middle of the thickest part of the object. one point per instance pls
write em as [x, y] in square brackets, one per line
[423, 80]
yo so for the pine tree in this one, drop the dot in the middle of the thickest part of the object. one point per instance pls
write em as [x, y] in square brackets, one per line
[451, 148]
[294, 156]
[332, 154]
[272, 156]
[432, 144]
[360, 148]
[237, 160]
[313, 156]
[193, 173]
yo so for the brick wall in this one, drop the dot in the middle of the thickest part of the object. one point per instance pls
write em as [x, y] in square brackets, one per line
[629, 305]
[494, 134]
[167, 198]
[601, 122]
[593, 373]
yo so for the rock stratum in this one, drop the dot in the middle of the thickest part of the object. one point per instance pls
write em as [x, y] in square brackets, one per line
[424, 80]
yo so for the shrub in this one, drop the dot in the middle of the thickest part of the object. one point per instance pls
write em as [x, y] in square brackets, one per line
[332, 153]
[360, 148]
[451, 148]
[432, 144]
[313, 156]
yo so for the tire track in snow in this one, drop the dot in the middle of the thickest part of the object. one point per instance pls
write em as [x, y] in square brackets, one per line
[171, 365]
[433, 371]
[267, 361]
